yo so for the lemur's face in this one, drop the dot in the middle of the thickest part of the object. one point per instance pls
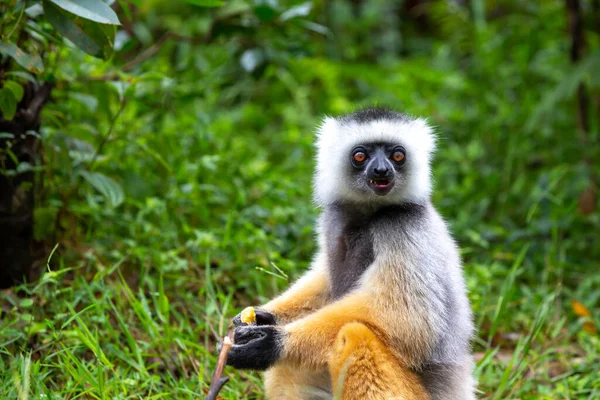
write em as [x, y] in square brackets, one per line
[377, 167]
[373, 157]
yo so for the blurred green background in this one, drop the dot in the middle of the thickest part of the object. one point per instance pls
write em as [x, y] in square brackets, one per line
[169, 184]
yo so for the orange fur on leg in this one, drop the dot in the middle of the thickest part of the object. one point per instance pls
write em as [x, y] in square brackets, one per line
[362, 367]
[309, 340]
[289, 383]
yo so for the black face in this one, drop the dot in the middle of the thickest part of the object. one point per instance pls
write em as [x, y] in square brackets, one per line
[378, 163]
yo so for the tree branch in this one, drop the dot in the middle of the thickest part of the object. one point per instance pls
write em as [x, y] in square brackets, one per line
[42, 95]
[150, 51]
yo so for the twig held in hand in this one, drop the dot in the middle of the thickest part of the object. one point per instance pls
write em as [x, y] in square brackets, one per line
[217, 381]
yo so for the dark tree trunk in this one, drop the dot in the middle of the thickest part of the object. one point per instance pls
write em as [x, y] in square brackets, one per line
[595, 20]
[578, 47]
[18, 249]
[416, 10]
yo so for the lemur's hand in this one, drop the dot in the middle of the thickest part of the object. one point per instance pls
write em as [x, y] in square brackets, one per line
[255, 347]
[262, 318]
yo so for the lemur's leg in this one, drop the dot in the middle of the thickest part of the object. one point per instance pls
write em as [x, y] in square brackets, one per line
[363, 368]
[291, 383]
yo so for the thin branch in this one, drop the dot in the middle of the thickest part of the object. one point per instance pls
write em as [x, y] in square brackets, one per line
[150, 51]
[108, 133]
[146, 54]
[217, 381]
[17, 23]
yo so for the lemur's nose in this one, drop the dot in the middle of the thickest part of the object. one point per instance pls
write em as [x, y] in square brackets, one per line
[381, 171]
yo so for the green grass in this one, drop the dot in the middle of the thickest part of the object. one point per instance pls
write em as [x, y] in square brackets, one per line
[102, 335]
[208, 207]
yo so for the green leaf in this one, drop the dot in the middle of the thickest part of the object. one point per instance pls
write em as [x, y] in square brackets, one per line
[92, 37]
[31, 62]
[108, 187]
[8, 104]
[265, 12]
[318, 28]
[93, 10]
[15, 88]
[23, 75]
[87, 100]
[26, 303]
[206, 3]
[301, 10]
[27, 318]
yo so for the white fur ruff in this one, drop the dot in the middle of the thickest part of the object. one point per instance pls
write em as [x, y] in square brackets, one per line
[336, 139]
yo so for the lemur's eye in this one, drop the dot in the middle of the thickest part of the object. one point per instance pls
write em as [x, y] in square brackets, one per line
[398, 155]
[359, 156]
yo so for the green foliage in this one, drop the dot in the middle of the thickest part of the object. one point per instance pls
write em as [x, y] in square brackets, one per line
[177, 185]
[88, 24]
[8, 103]
[111, 190]
[32, 63]
[97, 11]
[94, 39]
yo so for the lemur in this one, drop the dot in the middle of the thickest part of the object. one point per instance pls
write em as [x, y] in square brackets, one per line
[382, 312]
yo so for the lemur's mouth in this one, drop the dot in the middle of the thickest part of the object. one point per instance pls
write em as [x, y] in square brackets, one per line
[381, 186]
[380, 183]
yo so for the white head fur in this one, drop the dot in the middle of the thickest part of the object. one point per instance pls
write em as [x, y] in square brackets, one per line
[336, 137]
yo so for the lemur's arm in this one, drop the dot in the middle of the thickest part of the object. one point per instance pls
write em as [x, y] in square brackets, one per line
[307, 342]
[307, 294]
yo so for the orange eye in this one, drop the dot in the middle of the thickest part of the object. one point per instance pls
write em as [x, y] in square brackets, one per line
[398, 156]
[359, 156]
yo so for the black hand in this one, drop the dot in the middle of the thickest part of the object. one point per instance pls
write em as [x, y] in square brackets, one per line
[256, 347]
[262, 318]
